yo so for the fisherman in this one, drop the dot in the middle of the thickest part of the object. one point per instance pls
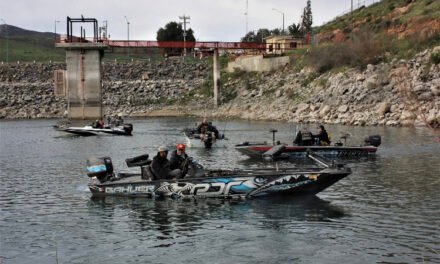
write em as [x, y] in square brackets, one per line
[304, 138]
[178, 161]
[160, 164]
[207, 127]
[119, 120]
[322, 138]
[99, 123]
[109, 120]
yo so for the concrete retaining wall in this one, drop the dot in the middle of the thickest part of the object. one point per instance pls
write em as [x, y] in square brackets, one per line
[258, 63]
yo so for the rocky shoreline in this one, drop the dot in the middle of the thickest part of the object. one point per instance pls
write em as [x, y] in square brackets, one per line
[398, 93]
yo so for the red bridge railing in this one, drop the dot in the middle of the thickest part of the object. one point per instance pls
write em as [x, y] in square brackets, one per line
[181, 44]
[167, 44]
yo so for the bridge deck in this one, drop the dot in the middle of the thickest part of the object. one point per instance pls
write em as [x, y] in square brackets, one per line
[167, 44]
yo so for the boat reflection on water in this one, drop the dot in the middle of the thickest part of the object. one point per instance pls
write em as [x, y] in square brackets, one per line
[169, 217]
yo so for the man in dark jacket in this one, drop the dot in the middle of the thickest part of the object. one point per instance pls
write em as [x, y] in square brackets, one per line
[178, 157]
[206, 127]
[177, 161]
[160, 164]
[322, 136]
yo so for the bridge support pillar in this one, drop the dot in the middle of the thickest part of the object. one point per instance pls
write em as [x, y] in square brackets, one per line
[216, 76]
[83, 81]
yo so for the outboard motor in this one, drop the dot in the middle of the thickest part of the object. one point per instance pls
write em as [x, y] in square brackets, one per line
[101, 168]
[373, 140]
[128, 128]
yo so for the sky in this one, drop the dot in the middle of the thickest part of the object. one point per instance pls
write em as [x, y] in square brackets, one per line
[211, 20]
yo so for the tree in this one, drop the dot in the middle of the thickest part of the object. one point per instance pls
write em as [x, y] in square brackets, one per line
[261, 34]
[257, 38]
[249, 37]
[173, 31]
[307, 18]
[275, 32]
[295, 30]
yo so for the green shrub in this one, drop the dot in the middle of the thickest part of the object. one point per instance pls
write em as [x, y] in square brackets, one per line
[310, 78]
[391, 7]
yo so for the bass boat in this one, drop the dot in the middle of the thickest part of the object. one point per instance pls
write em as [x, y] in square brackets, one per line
[90, 130]
[198, 182]
[285, 151]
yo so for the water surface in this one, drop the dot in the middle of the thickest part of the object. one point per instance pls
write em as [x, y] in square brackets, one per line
[387, 211]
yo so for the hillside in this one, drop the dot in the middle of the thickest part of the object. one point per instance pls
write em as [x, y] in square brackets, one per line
[28, 46]
[25, 45]
[397, 18]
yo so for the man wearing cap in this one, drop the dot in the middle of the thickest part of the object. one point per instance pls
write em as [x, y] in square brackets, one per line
[160, 164]
[177, 160]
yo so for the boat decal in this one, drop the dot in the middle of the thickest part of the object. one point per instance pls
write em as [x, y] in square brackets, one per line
[282, 187]
[130, 189]
[242, 188]
[287, 182]
[97, 168]
[173, 189]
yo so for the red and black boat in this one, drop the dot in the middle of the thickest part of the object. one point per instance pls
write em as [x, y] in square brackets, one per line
[284, 151]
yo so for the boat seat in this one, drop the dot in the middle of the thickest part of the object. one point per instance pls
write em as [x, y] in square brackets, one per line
[138, 161]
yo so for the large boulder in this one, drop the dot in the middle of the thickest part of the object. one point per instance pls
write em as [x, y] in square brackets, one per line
[302, 107]
[383, 108]
[324, 111]
[343, 108]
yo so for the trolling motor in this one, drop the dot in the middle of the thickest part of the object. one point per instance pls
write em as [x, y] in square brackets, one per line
[273, 131]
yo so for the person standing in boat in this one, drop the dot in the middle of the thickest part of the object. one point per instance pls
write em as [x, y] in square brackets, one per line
[207, 127]
[322, 138]
[177, 161]
[119, 120]
[304, 138]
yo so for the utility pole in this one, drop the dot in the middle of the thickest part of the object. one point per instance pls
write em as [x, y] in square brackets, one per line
[352, 23]
[55, 35]
[7, 41]
[246, 14]
[282, 13]
[104, 29]
[128, 36]
[184, 18]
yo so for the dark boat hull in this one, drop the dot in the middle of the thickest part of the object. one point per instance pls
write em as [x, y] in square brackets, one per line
[226, 184]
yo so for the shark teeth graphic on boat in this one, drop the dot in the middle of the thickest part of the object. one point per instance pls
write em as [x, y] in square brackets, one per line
[174, 189]
[286, 182]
